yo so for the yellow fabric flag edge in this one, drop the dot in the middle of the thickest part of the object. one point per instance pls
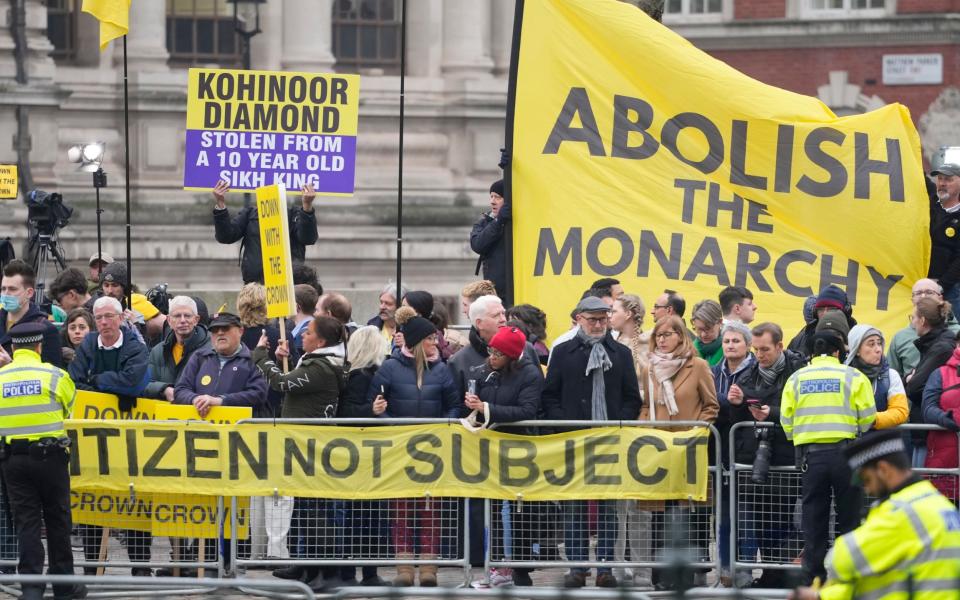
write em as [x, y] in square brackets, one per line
[114, 17]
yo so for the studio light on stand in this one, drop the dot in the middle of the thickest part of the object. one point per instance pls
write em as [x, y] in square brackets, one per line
[246, 24]
[90, 158]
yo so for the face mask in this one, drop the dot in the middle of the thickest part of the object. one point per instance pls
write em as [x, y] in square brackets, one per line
[10, 303]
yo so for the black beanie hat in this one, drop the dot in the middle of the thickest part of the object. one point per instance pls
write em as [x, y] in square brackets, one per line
[416, 330]
[497, 188]
[420, 301]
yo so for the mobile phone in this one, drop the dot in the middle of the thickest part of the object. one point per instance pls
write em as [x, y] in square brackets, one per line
[472, 386]
[753, 402]
[383, 392]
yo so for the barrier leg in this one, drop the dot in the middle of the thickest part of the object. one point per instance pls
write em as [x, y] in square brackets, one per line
[175, 550]
[102, 556]
[201, 555]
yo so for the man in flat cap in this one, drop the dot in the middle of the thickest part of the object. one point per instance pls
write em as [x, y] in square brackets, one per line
[945, 233]
[591, 378]
[36, 397]
[909, 546]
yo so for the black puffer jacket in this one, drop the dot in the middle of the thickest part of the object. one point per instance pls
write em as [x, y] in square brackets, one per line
[245, 228]
[488, 239]
[936, 348]
[745, 441]
[354, 403]
[510, 395]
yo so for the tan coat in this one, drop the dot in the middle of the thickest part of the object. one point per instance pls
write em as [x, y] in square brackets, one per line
[694, 391]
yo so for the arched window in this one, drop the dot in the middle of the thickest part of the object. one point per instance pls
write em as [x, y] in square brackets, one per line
[366, 35]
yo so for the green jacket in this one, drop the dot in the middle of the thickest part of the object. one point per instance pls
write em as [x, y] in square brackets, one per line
[311, 389]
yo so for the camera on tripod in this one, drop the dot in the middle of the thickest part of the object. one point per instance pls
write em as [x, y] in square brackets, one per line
[46, 212]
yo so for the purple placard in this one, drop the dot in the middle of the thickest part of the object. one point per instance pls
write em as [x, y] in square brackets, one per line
[249, 160]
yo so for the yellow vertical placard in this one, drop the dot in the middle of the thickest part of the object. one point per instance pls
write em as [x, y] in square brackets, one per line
[8, 181]
[275, 245]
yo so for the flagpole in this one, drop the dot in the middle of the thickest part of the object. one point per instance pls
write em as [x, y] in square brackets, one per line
[126, 141]
[403, 69]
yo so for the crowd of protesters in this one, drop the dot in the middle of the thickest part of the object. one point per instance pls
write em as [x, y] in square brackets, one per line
[720, 364]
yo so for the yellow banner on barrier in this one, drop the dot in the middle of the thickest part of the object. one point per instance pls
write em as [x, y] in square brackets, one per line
[637, 156]
[221, 415]
[178, 515]
[275, 244]
[388, 462]
[175, 515]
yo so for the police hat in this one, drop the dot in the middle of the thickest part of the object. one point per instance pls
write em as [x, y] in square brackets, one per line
[224, 319]
[874, 445]
[24, 334]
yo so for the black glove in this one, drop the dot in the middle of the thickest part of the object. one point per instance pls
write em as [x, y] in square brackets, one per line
[505, 213]
[126, 402]
[504, 159]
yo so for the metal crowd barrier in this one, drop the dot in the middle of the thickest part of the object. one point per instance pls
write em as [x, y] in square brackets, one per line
[765, 517]
[646, 534]
[121, 587]
[355, 533]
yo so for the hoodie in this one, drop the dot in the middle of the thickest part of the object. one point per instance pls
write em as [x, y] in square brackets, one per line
[888, 392]
[312, 389]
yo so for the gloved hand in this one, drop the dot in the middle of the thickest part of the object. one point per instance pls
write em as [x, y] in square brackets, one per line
[504, 159]
[126, 402]
[505, 213]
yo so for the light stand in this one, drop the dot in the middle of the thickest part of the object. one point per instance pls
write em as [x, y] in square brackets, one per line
[99, 181]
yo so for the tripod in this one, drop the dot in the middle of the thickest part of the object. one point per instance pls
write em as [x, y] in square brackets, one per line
[47, 250]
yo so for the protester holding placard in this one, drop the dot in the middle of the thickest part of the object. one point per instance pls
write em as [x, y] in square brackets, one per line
[244, 228]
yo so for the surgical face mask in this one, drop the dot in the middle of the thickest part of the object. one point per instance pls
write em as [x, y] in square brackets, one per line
[9, 303]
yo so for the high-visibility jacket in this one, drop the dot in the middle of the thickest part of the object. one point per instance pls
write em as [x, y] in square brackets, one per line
[908, 548]
[826, 402]
[35, 399]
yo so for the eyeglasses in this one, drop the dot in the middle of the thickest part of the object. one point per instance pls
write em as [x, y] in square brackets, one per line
[596, 320]
[660, 306]
[665, 334]
[106, 317]
[185, 317]
[496, 353]
[921, 293]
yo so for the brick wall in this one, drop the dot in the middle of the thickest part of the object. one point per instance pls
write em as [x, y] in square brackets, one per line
[759, 9]
[927, 6]
[804, 70]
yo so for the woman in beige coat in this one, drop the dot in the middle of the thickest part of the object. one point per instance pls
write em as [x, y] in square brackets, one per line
[676, 382]
[677, 385]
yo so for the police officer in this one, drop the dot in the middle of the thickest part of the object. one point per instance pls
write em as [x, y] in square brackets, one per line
[909, 546]
[36, 398]
[823, 407]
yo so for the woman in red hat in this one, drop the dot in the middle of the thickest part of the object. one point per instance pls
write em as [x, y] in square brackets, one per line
[506, 389]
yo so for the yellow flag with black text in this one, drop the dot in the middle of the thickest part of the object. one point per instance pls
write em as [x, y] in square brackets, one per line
[637, 156]
[114, 17]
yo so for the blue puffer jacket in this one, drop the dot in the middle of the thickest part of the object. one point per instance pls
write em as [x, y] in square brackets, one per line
[437, 399]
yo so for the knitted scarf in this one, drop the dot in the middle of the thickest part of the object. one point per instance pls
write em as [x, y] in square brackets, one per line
[598, 362]
[769, 376]
[662, 369]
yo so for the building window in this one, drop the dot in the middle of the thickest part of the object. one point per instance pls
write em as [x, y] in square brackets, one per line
[846, 8]
[680, 11]
[201, 32]
[62, 28]
[366, 35]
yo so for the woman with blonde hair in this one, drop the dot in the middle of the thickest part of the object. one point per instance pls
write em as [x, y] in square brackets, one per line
[626, 319]
[414, 382]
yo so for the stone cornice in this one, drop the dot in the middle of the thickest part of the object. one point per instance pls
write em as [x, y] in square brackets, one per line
[932, 29]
